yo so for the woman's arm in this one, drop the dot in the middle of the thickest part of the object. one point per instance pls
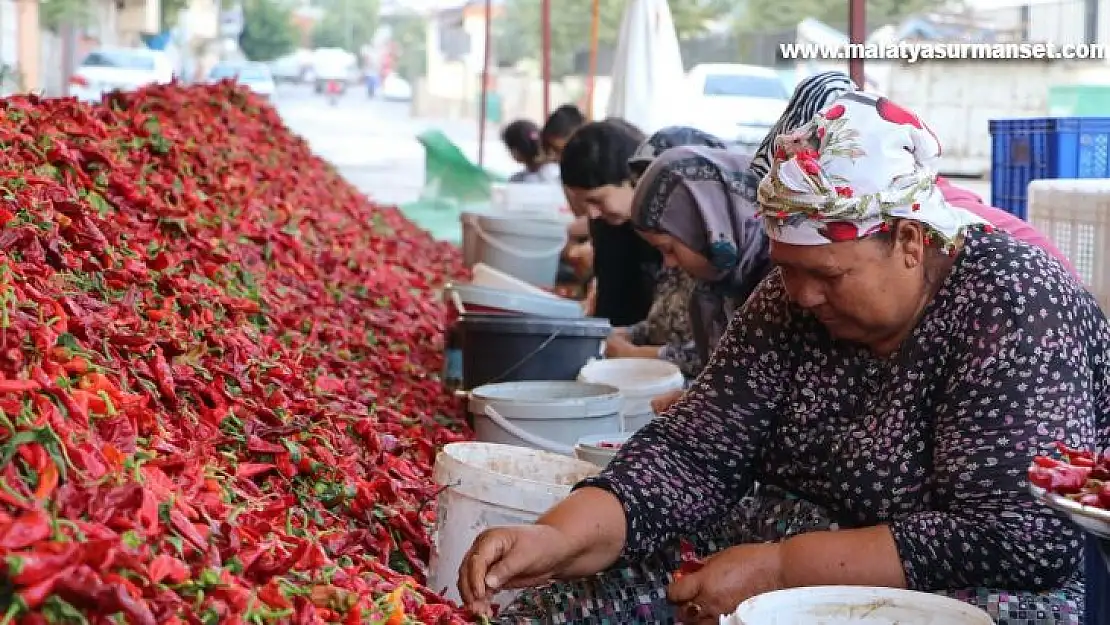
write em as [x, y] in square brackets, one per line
[1023, 382]
[696, 463]
[856, 557]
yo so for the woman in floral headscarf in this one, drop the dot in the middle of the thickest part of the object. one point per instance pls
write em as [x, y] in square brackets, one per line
[887, 386]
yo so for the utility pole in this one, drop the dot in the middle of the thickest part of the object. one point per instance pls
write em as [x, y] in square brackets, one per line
[350, 25]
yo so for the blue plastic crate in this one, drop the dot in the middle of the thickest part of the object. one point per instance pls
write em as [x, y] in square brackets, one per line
[1023, 150]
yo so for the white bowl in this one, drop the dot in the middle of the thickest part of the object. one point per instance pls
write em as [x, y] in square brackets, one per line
[589, 448]
[854, 605]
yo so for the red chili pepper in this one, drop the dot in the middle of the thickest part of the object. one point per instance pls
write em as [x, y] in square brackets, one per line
[164, 567]
[26, 530]
[27, 568]
[35, 594]
[18, 386]
[688, 561]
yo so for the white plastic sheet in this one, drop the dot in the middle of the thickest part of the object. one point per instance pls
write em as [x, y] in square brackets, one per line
[648, 78]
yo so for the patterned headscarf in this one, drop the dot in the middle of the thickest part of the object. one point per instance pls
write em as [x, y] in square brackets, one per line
[667, 138]
[859, 164]
[706, 199]
[811, 95]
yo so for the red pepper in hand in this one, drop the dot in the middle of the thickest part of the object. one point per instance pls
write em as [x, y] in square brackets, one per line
[688, 561]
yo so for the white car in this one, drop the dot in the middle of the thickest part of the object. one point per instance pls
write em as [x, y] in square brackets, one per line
[119, 69]
[738, 103]
[253, 76]
[396, 89]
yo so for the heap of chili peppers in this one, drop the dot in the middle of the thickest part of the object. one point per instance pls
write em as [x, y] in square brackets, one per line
[218, 392]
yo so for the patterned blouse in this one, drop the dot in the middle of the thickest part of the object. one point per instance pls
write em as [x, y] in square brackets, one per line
[1010, 356]
[668, 323]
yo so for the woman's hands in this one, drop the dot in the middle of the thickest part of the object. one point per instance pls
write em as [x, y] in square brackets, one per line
[510, 557]
[661, 404]
[728, 579]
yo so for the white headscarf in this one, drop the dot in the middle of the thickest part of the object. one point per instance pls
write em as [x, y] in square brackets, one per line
[858, 165]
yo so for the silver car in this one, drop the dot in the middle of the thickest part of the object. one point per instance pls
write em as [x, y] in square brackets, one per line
[254, 76]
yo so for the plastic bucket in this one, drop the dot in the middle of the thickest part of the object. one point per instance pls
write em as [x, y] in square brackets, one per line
[854, 605]
[498, 348]
[600, 449]
[487, 485]
[524, 247]
[640, 380]
[551, 416]
[490, 278]
[469, 298]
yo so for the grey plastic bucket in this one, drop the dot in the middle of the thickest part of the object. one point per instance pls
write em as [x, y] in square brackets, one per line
[504, 348]
[523, 247]
[546, 415]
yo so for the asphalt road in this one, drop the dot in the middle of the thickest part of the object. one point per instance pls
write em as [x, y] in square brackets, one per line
[373, 142]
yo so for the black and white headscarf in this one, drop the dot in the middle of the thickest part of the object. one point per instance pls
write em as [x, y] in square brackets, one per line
[667, 138]
[811, 95]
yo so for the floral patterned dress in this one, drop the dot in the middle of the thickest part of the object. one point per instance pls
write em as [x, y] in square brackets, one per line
[1010, 356]
[668, 323]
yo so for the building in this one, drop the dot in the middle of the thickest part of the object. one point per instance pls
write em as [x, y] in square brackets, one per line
[1050, 21]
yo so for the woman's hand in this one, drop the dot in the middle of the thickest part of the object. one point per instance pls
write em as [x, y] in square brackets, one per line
[510, 557]
[590, 303]
[581, 257]
[660, 404]
[727, 580]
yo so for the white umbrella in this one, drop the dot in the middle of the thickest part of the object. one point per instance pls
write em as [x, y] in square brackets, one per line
[648, 79]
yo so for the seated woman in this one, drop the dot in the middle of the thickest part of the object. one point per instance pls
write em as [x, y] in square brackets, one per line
[887, 386]
[666, 333]
[697, 207]
[522, 139]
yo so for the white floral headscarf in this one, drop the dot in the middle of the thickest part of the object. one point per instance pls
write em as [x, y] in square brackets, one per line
[858, 165]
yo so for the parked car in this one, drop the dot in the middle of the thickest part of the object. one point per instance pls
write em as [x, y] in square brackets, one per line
[331, 65]
[396, 89]
[119, 69]
[738, 103]
[254, 76]
[288, 69]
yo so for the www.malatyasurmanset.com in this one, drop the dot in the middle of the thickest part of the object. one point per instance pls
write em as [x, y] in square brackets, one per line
[914, 52]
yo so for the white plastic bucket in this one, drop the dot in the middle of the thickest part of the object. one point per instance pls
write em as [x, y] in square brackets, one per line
[854, 605]
[600, 449]
[545, 415]
[490, 278]
[488, 485]
[640, 380]
[522, 246]
[469, 298]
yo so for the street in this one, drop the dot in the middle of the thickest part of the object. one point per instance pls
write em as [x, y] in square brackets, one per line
[373, 142]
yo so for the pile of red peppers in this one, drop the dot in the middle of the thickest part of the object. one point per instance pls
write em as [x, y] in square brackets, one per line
[218, 373]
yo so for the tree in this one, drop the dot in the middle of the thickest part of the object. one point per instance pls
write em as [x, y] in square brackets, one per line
[347, 24]
[268, 30]
[763, 17]
[53, 14]
[518, 33]
[410, 38]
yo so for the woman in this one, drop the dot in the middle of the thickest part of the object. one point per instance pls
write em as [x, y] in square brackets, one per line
[816, 92]
[697, 207]
[522, 139]
[666, 333]
[887, 386]
[596, 178]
